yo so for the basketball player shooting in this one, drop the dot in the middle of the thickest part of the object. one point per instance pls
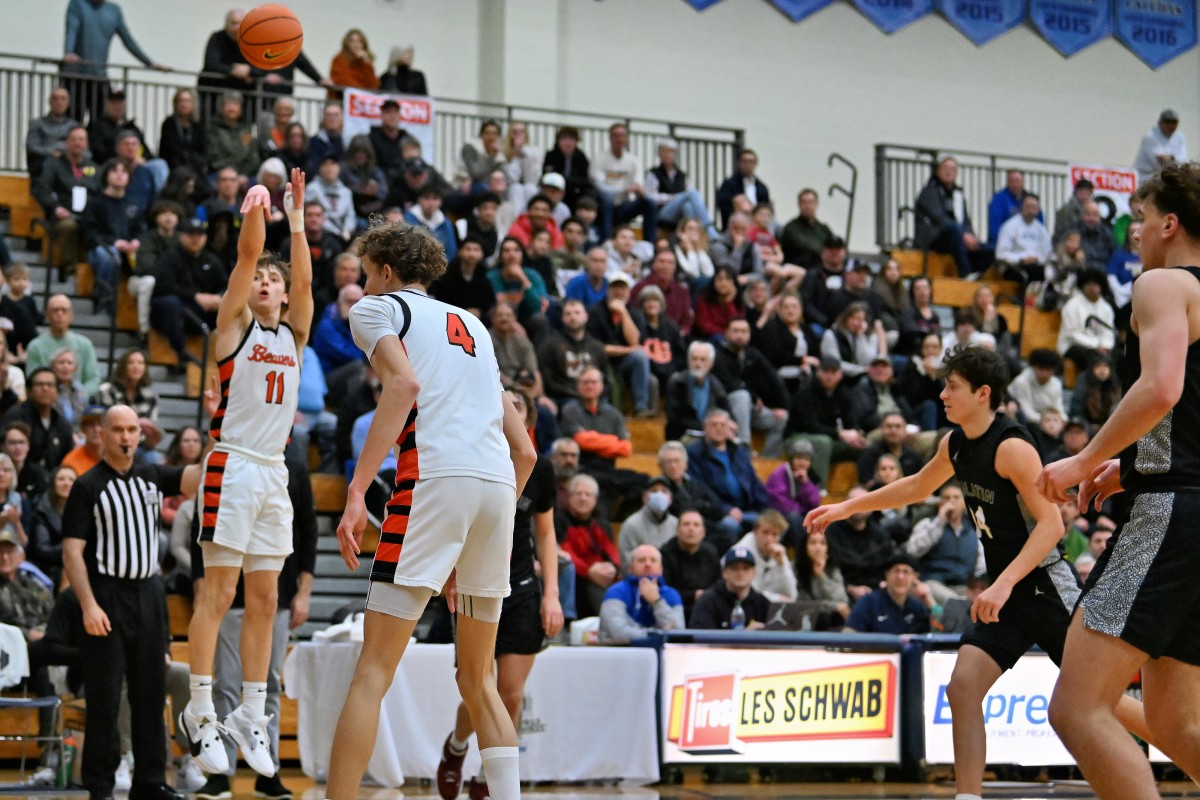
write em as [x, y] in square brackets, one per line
[246, 514]
[1033, 589]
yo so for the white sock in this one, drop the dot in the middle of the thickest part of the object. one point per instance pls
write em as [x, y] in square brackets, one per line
[503, 772]
[202, 702]
[254, 698]
[965, 796]
[457, 746]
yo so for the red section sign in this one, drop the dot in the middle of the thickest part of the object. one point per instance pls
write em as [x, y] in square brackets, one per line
[1105, 179]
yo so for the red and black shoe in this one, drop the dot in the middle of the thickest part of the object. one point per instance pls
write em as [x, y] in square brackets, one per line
[449, 773]
[477, 790]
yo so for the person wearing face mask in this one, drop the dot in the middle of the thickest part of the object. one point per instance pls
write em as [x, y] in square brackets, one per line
[651, 524]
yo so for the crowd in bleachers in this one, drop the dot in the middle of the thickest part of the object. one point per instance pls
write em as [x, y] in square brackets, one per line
[613, 291]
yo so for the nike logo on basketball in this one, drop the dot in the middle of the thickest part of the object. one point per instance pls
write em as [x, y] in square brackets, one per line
[267, 54]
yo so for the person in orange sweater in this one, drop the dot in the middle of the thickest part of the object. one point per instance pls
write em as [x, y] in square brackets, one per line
[87, 455]
[355, 65]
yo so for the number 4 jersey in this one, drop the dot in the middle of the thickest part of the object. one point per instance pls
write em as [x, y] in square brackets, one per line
[456, 427]
[260, 385]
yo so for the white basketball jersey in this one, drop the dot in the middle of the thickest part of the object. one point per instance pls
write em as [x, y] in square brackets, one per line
[260, 389]
[457, 424]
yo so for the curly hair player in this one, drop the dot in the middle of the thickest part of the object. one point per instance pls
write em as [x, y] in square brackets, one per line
[1033, 588]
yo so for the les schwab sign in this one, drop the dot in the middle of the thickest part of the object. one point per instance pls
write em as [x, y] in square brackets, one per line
[729, 704]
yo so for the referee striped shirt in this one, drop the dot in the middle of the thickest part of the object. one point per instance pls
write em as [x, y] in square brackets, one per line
[117, 514]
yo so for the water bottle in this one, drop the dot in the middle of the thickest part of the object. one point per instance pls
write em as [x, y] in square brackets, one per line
[66, 764]
[737, 620]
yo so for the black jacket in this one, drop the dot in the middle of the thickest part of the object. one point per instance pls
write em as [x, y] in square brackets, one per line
[47, 446]
[750, 370]
[575, 170]
[868, 402]
[694, 494]
[107, 219]
[456, 290]
[402, 80]
[715, 606]
[184, 275]
[220, 54]
[815, 411]
[53, 187]
[731, 188]
[935, 210]
[688, 572]
[183, 145]
[817, 297]
[681, 416]
[102, 138]
[775, 341]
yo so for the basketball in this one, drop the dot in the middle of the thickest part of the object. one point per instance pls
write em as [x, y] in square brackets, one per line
[270, 37]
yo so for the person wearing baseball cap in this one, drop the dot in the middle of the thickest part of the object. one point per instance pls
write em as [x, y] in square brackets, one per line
[554, 186]
[1162, 144]
[900, 607]
[670, 188]
[715, 607]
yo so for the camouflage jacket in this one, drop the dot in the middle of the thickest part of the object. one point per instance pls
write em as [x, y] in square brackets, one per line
[24, 603]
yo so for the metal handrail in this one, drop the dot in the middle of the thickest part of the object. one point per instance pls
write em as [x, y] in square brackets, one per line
[850, 193]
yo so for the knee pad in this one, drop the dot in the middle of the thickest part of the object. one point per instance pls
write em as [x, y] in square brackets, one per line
[395, 600]
[484, 609]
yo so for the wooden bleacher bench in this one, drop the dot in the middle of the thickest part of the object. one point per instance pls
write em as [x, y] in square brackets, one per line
[913, 264]
[179, 615]
[960, 293]
[160, 352]
[24, 212]
[1041, 330]
[329, 493]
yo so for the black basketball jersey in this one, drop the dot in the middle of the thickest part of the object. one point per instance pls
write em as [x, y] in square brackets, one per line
[999, 513]
[1168, 457]
[537, 497]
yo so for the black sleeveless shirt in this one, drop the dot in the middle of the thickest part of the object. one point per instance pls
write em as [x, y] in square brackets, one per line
[1168, 457]
[999, 513]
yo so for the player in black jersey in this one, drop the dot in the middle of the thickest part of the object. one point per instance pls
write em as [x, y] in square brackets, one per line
[528, 617]
[1033, 589]
[1140, 606]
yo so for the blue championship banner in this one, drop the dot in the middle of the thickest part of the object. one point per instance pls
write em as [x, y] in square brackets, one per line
[1156, 30]
[982, 20]
[1071, 25]
[797, 10]
[892, 15]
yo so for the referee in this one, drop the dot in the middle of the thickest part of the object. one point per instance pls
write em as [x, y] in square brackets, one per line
[110, 550]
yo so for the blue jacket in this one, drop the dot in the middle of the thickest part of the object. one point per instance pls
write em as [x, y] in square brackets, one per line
[704, 465]
[640, 612]
[580, 288]
[444, 233]
[333, 340]
[877, 612]
[1003, 206]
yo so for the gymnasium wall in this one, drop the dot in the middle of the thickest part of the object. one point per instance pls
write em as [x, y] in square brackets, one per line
[832, 82]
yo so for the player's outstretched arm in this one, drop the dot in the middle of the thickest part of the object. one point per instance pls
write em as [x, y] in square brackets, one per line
[300, 297]
[911, 489]
[233, 315]
[1018, 461]
[1160, 308]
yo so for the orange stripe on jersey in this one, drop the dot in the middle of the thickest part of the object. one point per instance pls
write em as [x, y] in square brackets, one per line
[408, 467]
[214, 477]
[225, 373]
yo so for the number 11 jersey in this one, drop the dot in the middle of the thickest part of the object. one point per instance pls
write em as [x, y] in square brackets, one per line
[260, 389]
[456, 427]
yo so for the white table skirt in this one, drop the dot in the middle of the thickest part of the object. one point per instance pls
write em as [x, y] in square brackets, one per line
[589, 713]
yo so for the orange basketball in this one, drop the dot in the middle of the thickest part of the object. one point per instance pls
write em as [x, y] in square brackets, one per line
[270, 37]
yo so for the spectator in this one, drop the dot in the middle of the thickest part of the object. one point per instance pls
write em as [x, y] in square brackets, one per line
[111, 226]
[186, 447]
[596, 426]
[564, 457]
[613, 324]
[944, 223]
[479, 159]
[690, 564]
[828, 414]
[224, 68]
[818, 579]
[427, 213]
[623, 253]
[328, 140]
[564, 356]
[31, 478]
[641, 602]
[736, 250]
[893, 441]
[1125, 265]
[294, 152]
[901, 607]
[852, 341]
[354, 65]
[481, 224]
[368, 183]
[1068, 215]
[51, 436]
[1163, 144]
[673, 191]
[188, 289]
[16, 512]
[757, 398]
[717, 304]
[691, 251]
[385, 142]
[332, 339]
[1023, 244]
[514, 352]
[803, 238]
[966, 330]
[20, 309]
[652, 524]
[1008, 203]
[591, 286]
[1088, 322]
[62, 191]
[400, 76]
[947, 547]
[689, 492]
[87, 455]
[725, 467]
[222, 213]
[861, 548]
[742, 182]
[660, 335]
[678, 300]
[103, 128]
[786, 341]
[1097, 392]
[782, 276]
[521, 287]
[1075, 436]
[165, 216]
[324, 248]
[879, 394]
[537, 218]
[47, 136]
[792, 488]
[1084, 565]
[522, 162]
[992, 322]
[1095, 237]
[570, 261]
[1047, 437]
[587, 540]
[335, 198]
[819, 285]
[568, 160]
[889, 287]
[1038, 387]
[230, 140]
[59, 315]
[921, 319]
[181, 141]
[773, 575]
[692, 394]
[273, 127]
[25, 603]
[714, 609]
[45, 543]
[465, 283]
[72, 399]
